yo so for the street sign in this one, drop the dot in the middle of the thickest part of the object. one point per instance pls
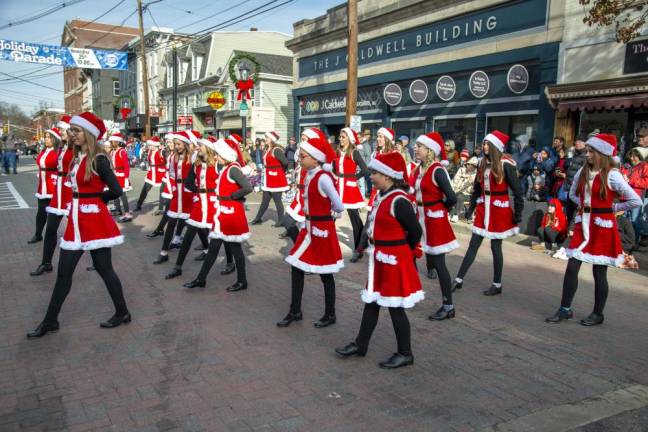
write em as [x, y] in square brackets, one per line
[243, 109]
[356, 123]
[184, 120]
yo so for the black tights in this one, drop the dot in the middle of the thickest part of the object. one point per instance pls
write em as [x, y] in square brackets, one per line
[102, 262]
[124, 201]
[41, 216]
[172, 225]
[291, 227]
[570, 285]
[51, 236]
[145, 190]
[165, 217]
[548, 235]
[438, 263]
[297, 290]
[188, 239]
[265, 202]
[471, 253]
[357, 225]
[235, 249]
[399, 321]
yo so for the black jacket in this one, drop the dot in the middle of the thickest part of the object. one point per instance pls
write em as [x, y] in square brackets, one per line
[573, 165]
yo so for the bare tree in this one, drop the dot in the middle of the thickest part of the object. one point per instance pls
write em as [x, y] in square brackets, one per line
[627, 16]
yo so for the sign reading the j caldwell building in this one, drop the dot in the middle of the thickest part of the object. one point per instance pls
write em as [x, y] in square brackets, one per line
[636, 57]
[503, 19]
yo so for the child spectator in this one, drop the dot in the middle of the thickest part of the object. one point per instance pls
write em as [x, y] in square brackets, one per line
[462, 184]
[635, 172]
[536, 190]
[553, 229]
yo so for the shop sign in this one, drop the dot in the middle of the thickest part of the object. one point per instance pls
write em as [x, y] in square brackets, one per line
[636, 57]
[518, 79]
[392, 94]
[356, 123]
[216, 100]
[446, 88]
[498, 20]
[479, 84]
[185, 120]
[418, 91]
[369, 99]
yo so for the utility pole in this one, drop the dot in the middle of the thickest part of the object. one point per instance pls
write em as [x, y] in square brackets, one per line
[147, 130]
[174, 95]
[352, 65]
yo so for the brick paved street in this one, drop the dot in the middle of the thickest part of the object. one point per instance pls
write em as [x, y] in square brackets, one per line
[207, 360]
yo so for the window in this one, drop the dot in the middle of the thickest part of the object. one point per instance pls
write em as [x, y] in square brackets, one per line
[185, 105]
[514, 126]
[169, 75]
[183, 71]
[460, 130]
[231, 99]
[154, 60]
[196, 64]
[116, 88]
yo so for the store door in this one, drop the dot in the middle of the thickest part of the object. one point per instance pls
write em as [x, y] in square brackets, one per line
[410, 129]
[460, 130]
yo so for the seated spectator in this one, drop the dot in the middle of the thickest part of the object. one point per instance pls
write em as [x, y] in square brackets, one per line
[536, 190]
[402, 149]
[635, 172]
[559, 175]
[627, 234]
[553, 229]
[462, 184]
[452, 156]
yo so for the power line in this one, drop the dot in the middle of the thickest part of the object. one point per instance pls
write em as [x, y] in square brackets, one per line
[109, 31]
[31, 82]
[12, 80]
[22, 96]
[40, 14]
[229, 24]
[103, 14]
[213, 15]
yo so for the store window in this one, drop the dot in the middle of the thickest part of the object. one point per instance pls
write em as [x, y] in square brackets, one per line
[614, 123]
[411, 129]
[460, 130]
[515, 126]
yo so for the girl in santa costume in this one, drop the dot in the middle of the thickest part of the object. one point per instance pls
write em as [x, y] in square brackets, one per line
[434, 197]
[121, 166]
[156, 170]
[230, 224]
[496, 218]
[46, 161]
[317, 249]
[182, 200]
[202, 182]
[393, 282]
[349, 168]
[165, 189]
[61, 199]
[599, 190]
[274, 178]
[90, 226]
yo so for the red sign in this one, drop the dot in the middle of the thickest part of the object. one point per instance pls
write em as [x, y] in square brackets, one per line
[185, 120]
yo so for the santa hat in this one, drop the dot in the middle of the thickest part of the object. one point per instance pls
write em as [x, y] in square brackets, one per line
[117, 136]
[64, 122]
[168, 136]
[90, 122]
[228, 150]
[317, 146]
[603, 143]
[55, 132]
[236, 138]
[184, 137]
[210, 144]
[272, 136]
[194, 136]
[237, 148]
[498, 139]
[313, 133]
[155, 141]
[464, 154]
[387, 133]
[390, 164]
[434, 141]
[352, 135]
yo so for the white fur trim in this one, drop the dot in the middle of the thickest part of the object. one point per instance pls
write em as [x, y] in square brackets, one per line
[495, 141]
[430, 143]
[57, 211]
[152, 183]
[327, 167]
[182, 138]
[438, 214]
[600, 145]
[42, 196]
[441, 249]
[230, 238]
[158, 143]
[167, 195]
[176, 215]
[501, 204]
[279, 189]
[386, 133]
[116, 138]
[63, 125]
[89, 208]
[384, 258]
[310, 268]
[349, 133]
[603, 223]
[496, 235]
[319, 232]
[313, 151]
[294, 213]
[357, 205]
[272, 136]
[375, 164]
[57, 136]
[225, 151]
[310, 133]
[92, 244]
[595, 259]
[198, 224]
[85, 124]
[404, 302]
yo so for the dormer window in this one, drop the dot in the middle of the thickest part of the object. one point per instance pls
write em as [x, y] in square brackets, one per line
[196, 64]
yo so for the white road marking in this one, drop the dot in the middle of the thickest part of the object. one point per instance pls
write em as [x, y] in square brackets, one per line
[10, 198]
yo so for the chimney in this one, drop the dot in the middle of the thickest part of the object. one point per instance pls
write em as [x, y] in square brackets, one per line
[254, 29]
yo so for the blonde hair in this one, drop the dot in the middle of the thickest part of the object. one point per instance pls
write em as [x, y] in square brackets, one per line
[429, 159]
[210, 156]
[93, 150]
[389, 145]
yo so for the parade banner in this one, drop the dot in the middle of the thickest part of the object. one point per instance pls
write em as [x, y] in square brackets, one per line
[71, 57]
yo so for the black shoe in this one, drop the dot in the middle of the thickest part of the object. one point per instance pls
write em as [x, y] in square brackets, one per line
[431, 274]
[283, 235]
[196, 283]
[356, 256]
[161, 259]
[35, 239]
[256, 222]
[115, 213]
[116, 321]
[42, 268]
[442, 314]
[238, 286]
[397, 360]
[560, 315]
[158, 212]
[199, 248]
[201, 257]
[289, 319]
[90, 268]
[493, 290]
[278, 225]
[156, 233]
[174, 245]
[174, 273]
[325, 321]
[138, 208]
[229, 268]
[350, 350]
[42, 329]
[456, 285]
[592, 320]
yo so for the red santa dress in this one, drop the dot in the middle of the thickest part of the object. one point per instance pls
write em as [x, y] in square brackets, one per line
[274, 176]
[204, 201]
[62, 197]
[182, 200]
[46, 161]
[157, 168]
[122, 168]
[230, 222]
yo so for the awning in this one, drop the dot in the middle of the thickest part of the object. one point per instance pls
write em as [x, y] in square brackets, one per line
[604, 103]
[613, 94]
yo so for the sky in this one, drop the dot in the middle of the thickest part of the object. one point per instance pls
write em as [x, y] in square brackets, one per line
[165, 13]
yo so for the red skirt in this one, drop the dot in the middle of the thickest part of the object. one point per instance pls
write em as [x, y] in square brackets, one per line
[62, 199]
[317, 249]
[124, 182]
[230, 222]
[350, 193]
[177, 209]
[494, 220]
[295, 209]
[438, 236]
[203, 210]
[596, 240]
[90, 226]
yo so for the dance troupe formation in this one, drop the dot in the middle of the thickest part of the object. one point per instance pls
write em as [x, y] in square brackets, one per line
[203, 184]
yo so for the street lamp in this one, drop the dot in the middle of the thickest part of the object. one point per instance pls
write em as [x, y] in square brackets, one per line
[244, 75]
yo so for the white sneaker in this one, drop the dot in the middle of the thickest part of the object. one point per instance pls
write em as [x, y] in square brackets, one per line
[454, 218]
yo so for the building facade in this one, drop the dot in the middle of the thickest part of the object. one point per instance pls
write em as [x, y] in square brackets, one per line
[462, 68]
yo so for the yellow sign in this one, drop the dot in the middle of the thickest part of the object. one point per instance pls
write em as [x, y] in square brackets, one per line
[216, 100]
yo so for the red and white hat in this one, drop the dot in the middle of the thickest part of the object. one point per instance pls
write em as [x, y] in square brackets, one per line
[313, 133]
[498, 139]
[229, 150]
[236, 138]
[55, 132]
[207, 142]
[64, 122]
[464, 154]
[117, 136]
[390, 164]
[90, 122]
[168, 136]
[387, 133]
[352, 135]
[317, 146]
[272, 136]
[194, 136]
[154, 141]
[183, 136]
[603, 143]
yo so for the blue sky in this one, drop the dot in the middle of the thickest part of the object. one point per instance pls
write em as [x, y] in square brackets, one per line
[167, 13]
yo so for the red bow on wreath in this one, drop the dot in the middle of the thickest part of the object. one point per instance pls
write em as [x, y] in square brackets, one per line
[244, 88]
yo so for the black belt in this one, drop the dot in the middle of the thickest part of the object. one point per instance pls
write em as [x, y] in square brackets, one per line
[229, 198]
[156, 166]
[119, 168]
[495, 192]
[428, 203]
[388, 242]
[301, 186]
[348, 176]
[49, 169]
[86, 194]
[207, 190]
[274, 167]
[598, 210]
[319, 218]
[62, 173]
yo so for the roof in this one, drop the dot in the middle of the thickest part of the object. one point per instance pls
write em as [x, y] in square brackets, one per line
[271, 63]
